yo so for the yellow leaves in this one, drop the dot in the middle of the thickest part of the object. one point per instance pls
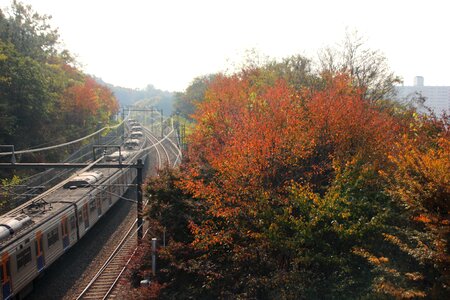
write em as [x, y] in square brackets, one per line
[345, 214]
[414, 276]
[273, 227]
[394, 240]
[372, 259]
[421, 176]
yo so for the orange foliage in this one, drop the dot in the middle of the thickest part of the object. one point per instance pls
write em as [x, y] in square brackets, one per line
[421, 176]
[89, 99]
[300, 172]
[252, 141]
[83, 97]
[343, 119]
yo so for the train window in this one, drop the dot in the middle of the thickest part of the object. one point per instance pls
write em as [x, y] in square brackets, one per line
[23, 258]
[104, 196]
[99, 207]
[73, 224]
[99, 195]
[86, 215]
[52, 236]
[92, 206]
[80, 218]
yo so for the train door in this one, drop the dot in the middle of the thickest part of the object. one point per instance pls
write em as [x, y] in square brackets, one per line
[65, 232]
[5, 274]
[86, 215]
[40, 257]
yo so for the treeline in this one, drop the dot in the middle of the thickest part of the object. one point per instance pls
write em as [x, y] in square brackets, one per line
[44, 98]
[149, 96]
[303, 183]
[185, 102]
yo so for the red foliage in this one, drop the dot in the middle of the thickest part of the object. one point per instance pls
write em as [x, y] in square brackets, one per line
[253, 140]
[89, 99]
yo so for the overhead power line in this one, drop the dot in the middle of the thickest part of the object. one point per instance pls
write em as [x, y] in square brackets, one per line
[60, 145]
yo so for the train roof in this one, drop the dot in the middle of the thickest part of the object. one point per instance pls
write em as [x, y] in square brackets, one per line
[84, 179]
[115, 155]
[132, 140]
[43, 209]
[136, 133]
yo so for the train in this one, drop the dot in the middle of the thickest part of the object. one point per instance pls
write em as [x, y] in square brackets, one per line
[38, 232]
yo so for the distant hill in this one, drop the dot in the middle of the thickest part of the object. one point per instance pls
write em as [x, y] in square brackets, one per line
[150, 96]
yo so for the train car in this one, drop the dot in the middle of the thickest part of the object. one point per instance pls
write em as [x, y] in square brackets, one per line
[137, 135]
[84, 179]
[132, 144]
[117, 156]
[136, 128]
[38, 232]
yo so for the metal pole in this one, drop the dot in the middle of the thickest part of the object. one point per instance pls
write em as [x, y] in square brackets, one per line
[123, 124]
[162, 128]
[140, 167]
[154, 256]
[152, 120]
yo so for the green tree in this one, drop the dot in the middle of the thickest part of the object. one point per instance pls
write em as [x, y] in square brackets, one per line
[28, 97]
[29, 32]
[184, 103]
[35, 77]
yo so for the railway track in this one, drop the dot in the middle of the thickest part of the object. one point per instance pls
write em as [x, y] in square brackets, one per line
[76, 269]
[102, 285]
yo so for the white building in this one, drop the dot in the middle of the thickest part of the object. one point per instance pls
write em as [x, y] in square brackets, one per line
[435, 97]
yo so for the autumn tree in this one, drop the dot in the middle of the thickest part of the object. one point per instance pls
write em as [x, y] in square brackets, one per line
[289, 187]
[306, 186]
[420, 181]
[86, 103]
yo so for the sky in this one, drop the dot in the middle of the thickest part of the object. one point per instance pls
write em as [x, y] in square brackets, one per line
[167, 43]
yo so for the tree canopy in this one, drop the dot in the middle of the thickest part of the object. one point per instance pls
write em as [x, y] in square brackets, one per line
[303, 185]
[43, 96]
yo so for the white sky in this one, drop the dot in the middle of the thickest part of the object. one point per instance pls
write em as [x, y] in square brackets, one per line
[168, 43]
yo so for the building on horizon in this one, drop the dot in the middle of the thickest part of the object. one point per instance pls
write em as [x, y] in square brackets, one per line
[436, 98]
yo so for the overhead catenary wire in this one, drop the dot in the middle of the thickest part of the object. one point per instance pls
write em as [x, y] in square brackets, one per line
[60, 145]
[114, 194]
[16, 196]
[27, 193]
[81, 131]
[57, 186]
